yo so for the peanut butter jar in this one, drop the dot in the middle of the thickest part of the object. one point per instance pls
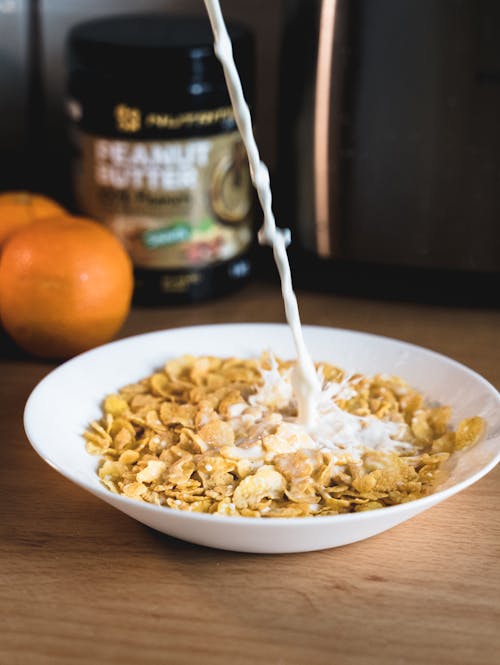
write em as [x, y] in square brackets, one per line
[157, 156]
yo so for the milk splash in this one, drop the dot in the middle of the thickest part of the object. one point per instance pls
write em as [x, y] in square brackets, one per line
[334, 430]
[305, 382]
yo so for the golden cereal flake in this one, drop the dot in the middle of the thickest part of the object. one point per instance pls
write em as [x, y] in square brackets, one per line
[152, 471]
[265, 483]
[469, 432]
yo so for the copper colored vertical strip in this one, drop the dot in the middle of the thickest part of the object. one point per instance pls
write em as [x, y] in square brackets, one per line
[322, 178]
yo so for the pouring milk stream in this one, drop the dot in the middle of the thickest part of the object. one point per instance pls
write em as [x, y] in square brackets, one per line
[329, 426]
[305, 381]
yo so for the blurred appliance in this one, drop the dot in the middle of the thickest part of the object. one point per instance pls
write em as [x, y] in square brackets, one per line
[389, 155]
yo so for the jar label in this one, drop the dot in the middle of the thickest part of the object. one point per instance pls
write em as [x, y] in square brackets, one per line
[174, 203]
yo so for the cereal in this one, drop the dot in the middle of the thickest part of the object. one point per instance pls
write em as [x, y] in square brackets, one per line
[220, 435]
[266, 482]
[469, 432]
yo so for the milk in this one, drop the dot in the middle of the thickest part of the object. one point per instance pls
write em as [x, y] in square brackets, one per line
[305, 381]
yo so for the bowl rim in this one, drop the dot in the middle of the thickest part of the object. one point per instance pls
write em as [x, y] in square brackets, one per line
[268, 522]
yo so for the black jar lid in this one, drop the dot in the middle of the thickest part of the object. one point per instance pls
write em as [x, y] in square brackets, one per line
[155, 49]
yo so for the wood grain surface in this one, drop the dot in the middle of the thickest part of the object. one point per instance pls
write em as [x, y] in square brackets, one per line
[81, 583]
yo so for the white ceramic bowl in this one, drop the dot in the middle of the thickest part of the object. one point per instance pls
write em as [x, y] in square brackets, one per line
[62, 405]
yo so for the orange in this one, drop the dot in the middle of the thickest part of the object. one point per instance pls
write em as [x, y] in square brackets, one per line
[65, 286]
[17, 209]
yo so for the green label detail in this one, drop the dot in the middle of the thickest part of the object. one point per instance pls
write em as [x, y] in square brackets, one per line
[168, 235]
[206, 224]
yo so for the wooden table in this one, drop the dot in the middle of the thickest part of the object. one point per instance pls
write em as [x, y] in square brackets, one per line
[82, 583]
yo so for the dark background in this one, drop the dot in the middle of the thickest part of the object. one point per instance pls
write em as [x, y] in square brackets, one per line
[32, 79]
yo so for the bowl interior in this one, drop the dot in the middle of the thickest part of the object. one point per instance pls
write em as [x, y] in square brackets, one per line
[68, 399]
